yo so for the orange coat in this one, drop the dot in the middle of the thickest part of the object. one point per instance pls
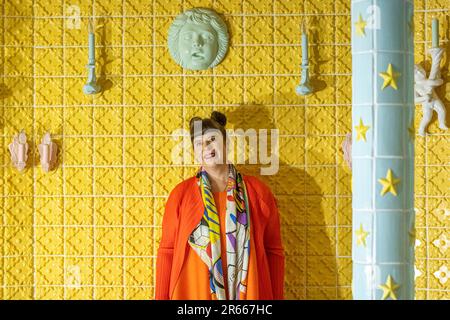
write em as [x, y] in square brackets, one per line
[184, 209]
[193, 282]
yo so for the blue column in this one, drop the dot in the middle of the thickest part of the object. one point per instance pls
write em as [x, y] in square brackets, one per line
[383, 149]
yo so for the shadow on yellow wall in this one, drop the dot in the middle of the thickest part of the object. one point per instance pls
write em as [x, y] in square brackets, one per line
[310, 256]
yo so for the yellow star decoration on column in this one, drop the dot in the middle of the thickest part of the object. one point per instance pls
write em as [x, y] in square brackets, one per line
[360, 26]
[389, 77]
[361, 236]
[389, 288]
[389, 183]
[361, 130]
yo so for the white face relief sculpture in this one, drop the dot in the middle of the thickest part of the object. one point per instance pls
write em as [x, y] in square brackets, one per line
[198, 39]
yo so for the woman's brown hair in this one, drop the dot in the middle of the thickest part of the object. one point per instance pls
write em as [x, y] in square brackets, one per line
[216, 121]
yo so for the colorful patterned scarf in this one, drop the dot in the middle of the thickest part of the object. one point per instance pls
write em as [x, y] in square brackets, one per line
[205, 239]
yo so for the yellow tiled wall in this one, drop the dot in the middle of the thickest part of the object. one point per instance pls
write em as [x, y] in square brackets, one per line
[90, 229]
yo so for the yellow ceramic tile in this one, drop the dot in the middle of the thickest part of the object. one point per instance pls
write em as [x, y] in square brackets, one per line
[438, 178]
[18, 240]
[140, 211]
[51, 270]
[49, 91]
[19, 8]
[259, 60]
[138, 31]
[79, 272]
[163, 7]
[18, 31]
[320, 211]
[139, 181]
[319, 7]
[78, 150]
[79, 180]
[321, 271]
[326, 94]
[49, 240]
[261, 31]
[109, 271]
[108, 151]
[109, 181]
[79, 211]
[139, 241]
[236, 29]
[438, 215]
[294, 241]
[321, 241]
[18, 271]
[138, 91]
[287, 30]
[79, 121]
[293, 7]
[49, 119]
[15, 206]
[320, 120]
[50, 183]
[79, 241]
[292, 150]
[139, 271]
[320, 150]
[109, 211]
[49, 293]
[140, 293]
[108, 8]
[138, 61]
[22, 95]
[18, 61]
[168, 90]
[290, 120]
[166, 179]
[287, 60]
[168, 120]
[48, 32]
[109, 241]
[161, 29]
[43, 9]
[138, 121]
[138, 7]
[138, 151]
[198, 90]
[259, 90]
[19, 293]
[82, 293]
[344, 207]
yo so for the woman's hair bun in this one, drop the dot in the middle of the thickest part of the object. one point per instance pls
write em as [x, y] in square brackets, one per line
[219, 117]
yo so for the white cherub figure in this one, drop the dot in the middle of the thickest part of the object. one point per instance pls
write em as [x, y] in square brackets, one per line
[424, 91]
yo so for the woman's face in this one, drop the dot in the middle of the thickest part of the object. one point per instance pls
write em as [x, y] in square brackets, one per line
[209, 148]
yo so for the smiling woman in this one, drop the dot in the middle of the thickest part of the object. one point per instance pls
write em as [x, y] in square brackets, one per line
[215, 241]
[198, 39]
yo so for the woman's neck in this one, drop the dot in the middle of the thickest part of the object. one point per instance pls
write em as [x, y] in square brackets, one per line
[218, 177]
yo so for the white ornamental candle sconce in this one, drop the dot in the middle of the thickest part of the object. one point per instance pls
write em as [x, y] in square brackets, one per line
[48, 152]
[19, 151]
[304, 88]
[424, 87]
[91, 87]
